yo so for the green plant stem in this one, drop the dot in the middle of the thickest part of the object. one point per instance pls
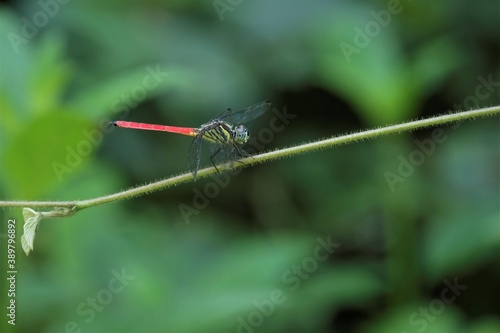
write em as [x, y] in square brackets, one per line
[262, 158]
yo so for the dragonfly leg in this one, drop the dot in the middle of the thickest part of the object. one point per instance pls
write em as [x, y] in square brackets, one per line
[212, 158]
[242, 153]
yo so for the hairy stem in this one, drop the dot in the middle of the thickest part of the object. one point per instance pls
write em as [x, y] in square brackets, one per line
[262, 158]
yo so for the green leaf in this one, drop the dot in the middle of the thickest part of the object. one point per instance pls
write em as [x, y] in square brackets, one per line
[377, 78]
[49, 76]
[31, 223]
[126, 90]
[44, 153]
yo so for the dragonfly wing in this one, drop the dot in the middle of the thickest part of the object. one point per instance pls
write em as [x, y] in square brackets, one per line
[194, 155]
[246, 114]
[222, 153]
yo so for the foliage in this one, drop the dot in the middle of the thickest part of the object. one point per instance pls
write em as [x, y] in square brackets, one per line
[252, 250]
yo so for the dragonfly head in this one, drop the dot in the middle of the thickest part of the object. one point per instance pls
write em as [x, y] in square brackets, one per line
[241, 134]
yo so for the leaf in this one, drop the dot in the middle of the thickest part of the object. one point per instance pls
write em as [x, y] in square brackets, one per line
[383, 83]
[56, 145]
[31, 222]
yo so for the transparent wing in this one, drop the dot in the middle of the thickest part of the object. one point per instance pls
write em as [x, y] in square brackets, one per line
[227, 154]
[246, 114]
[222, 153]
[194, 155]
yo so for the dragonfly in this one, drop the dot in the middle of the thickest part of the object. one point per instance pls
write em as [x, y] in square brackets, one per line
[225, 133]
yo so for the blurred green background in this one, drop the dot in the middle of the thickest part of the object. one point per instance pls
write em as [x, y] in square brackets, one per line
[406, 216]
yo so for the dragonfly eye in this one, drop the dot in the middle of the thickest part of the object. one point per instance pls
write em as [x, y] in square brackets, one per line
[241, 134]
